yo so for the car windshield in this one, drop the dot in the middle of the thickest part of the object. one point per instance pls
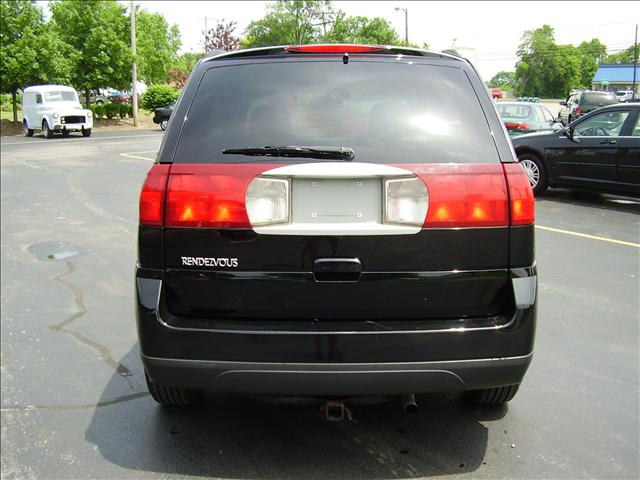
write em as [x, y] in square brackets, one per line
[385, 112]
[63, 96]
[507, 110]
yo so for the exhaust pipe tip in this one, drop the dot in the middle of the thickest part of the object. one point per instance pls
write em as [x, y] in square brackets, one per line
[409, 404]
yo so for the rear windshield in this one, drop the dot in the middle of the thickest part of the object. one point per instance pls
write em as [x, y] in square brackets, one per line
[513, 111]
[386, 112]
[597, 98]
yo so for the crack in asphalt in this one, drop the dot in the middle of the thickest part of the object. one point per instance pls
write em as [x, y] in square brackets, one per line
[86, 406]
[81, 309]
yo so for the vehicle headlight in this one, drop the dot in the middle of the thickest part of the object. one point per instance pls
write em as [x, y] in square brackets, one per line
[89, 114]
[56, 115]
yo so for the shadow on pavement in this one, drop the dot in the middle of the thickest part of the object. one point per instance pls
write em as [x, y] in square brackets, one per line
[591, 199]
[246, 437]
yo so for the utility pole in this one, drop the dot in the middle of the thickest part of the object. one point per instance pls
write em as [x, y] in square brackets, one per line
[406, 24]
[134, 67]
[206, 33]
[635, 65]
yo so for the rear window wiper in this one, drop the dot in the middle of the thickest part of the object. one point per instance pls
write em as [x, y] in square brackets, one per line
[330, 153]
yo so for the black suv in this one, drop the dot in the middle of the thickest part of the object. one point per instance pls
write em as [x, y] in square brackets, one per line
[583, 102]
[335, 220]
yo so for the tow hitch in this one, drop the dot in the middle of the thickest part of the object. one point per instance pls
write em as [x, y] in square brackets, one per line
[336, 411]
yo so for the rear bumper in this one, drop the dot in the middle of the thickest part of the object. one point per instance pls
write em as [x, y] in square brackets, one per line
[337, 378]
[336, 358]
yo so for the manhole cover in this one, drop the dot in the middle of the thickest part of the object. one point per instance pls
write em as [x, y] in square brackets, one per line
[57, 251]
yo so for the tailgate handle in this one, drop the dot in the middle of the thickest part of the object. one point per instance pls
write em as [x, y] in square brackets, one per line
[337, 269]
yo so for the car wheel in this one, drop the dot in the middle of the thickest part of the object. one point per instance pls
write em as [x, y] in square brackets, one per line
[99, 102]
[65, 133]
[535, 172]
[86, 132]
[493, 396]
[172, 396]
[28, 132]
[48, 133]
[163, 124]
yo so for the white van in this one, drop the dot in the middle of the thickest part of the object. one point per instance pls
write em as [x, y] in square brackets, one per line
[54, 108]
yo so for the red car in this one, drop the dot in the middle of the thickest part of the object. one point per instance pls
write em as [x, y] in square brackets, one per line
[496, 93]
[119, 97]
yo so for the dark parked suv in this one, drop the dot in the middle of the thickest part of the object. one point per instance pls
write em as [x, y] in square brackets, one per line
[334, 221]
[583, 102]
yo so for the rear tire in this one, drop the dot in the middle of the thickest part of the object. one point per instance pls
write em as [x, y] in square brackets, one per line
[65, 133]
[28, 132]
[163, 124]
[48, 133]
[86, 132]
[535, 173]
[172, 396]
[493, 396]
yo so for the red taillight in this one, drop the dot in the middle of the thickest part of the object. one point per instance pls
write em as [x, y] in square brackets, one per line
[152, 195]
[464, 195]
[210, 195]
[578, 111]
[520, 195]
[334, 48]
[517, 126]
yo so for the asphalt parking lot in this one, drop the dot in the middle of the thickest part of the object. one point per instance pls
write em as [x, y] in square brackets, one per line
[74, 403]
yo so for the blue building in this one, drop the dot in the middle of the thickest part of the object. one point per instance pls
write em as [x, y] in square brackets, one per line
[615, 77]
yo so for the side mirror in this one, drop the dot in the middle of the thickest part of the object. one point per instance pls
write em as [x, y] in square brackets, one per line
[563, 103]
[568, 131]
[556, 127]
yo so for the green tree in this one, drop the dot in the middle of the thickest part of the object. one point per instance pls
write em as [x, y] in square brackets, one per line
[290, 22]
[562, 72]
[503, 80]
[595, 49]
[591, 53]
[536, 51]
[157, 44]
[99, 31]
[159, 96]
[30, 51]
[549, 70]
[376, 31]
[625, 56]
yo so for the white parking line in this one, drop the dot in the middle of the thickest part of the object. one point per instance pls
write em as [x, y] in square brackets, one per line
[55, 142]
[133, 155]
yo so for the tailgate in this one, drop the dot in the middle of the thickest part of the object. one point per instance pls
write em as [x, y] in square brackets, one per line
[336, 258]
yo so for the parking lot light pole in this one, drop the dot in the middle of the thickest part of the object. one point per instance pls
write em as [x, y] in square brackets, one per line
[406, 24]
[134, 68]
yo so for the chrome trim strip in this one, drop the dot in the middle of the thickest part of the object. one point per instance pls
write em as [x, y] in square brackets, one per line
[344, 365]
[337, 170]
